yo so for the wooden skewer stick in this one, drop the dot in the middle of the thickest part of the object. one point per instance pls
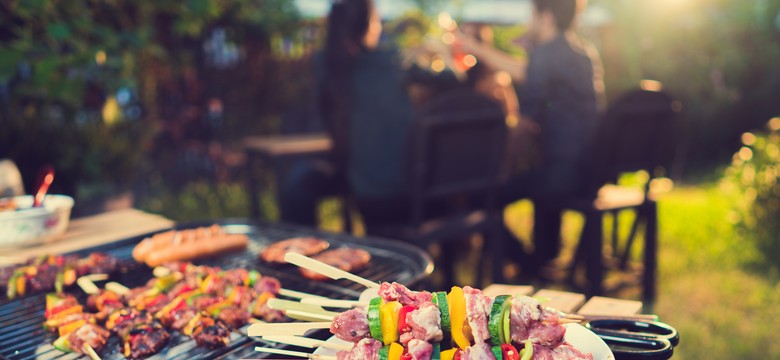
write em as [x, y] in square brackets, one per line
[97, 277]
[281, 304]
[636, 317]
[564, 315]
[90, 352]
[298, 295]
[307, 316]
[11, 259]
[307, 342]
[342, 304]
[294, 353]
[285, 328]
[569, 321]
[87, 285]
[325, 269]
[574, 317]
[160, 271]
[117, 288]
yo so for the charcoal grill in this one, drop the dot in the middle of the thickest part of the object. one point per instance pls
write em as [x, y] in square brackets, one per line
[23, 337]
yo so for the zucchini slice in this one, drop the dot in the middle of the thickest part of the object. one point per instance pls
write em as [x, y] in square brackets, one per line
[496, 321]
[436, 354]
[496, 350]
[374, 318]
[440, 299]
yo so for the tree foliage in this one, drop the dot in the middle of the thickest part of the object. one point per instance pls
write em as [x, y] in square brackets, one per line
[85, 84]
[751, 181]
[718, 57]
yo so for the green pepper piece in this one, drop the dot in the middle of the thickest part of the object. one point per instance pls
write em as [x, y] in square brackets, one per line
[166, 282]
[62, 344]
[59, 283]
[507, 326]
[11, 292]
[253, 277]
[191, 299]
[528, 351]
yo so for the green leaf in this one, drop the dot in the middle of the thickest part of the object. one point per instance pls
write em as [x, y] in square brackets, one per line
[31, 6]
[191, 27]
[44, 70]
[70, 92]
[201, 8]
[58, 31]
[9, 60]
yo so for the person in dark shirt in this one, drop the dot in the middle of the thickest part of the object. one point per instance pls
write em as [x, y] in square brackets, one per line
[561, 94]
[365, 107]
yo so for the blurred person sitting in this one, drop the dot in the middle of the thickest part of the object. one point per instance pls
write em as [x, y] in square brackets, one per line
[561, 94]
[497, 85]
[365, 107]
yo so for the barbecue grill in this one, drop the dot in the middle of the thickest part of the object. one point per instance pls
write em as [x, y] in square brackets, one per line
[22, 335]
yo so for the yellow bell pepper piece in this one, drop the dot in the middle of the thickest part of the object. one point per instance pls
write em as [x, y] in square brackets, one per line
[71, 327]
[170, 306]
[457, 303]
[260, 301]
[389, 315]
[31, 271]
[448, 354]
[69, 311]
[190, 325]
[396, 350]
[69, 277]
[21, 285]
[205, 286]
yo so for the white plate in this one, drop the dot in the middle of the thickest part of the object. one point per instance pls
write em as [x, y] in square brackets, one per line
[577, 335]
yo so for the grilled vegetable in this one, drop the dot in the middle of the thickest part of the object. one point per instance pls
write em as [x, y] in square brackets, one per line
[389, 313]
[395, 352]
[501, 305]
[509, 352]
[496, 350]
[528, 351]
[440, 299]
[374, 318]
[457, 303]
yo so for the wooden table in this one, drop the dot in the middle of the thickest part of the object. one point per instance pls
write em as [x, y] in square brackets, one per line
[277, 151]
[596, 307]
[93, 231]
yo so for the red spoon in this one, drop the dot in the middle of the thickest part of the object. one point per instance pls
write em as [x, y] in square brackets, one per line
[47, 176]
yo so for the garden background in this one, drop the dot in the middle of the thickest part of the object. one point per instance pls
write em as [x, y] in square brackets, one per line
[146, 102]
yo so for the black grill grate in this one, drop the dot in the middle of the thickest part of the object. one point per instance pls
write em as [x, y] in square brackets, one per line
[23, 337]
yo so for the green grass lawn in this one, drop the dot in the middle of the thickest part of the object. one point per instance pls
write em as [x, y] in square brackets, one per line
[710, 286]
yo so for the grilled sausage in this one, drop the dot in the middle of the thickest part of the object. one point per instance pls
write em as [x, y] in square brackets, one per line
[189, 250]
[178, 245]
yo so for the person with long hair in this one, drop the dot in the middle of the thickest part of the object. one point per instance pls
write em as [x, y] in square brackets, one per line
[365, 107]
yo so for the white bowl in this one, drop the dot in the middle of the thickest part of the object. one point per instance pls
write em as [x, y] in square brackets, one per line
[28, 226]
